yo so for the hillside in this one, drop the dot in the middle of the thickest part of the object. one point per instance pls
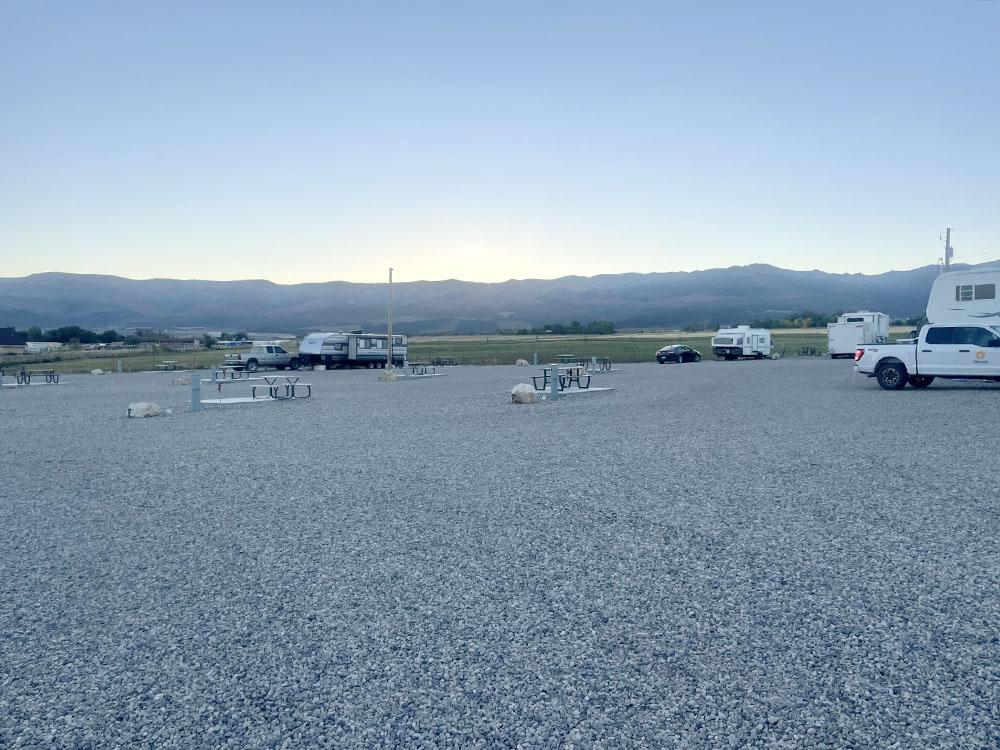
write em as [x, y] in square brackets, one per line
[630, 300]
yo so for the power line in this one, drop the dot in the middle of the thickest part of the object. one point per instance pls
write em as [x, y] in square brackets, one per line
[977, 224]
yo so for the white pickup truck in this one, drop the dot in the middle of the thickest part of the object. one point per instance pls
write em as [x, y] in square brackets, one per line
[966, 351]
[265, 355]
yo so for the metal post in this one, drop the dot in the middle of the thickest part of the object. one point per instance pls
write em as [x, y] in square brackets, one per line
[119, 367]
[593, 362]
[554, 383]
[195, 391]
[388, 362]
[534, 359]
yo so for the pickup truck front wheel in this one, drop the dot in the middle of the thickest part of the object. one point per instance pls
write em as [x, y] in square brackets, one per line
[251, 365]
[921, 381]
[892, 376]
[294, 364]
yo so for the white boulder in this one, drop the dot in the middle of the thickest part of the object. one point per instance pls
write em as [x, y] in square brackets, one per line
[143, 409]
[97, 371]
[523, 393]
[521, 363]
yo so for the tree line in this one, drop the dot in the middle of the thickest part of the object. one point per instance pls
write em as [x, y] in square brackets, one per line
[594, 328]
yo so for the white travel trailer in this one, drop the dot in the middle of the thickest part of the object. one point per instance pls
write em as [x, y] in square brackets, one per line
[968, 296]
[351, 349]
[856, 329]
[741, 341]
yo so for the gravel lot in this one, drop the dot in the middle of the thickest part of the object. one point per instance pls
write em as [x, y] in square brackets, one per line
[718, 555]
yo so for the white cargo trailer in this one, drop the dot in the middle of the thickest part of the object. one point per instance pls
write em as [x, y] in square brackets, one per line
[742, 342]
[968, 296]
[856, 329]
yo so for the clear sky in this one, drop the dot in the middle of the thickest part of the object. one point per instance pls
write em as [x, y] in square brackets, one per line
[308, 141]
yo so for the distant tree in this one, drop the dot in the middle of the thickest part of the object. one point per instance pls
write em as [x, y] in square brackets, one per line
[110, 336]
[34, 334]
[208, 341]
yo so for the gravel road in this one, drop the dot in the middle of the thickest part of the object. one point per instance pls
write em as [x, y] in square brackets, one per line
[717, 555]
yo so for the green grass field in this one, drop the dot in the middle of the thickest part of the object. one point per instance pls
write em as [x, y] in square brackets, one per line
[498, 350]
[466, 350]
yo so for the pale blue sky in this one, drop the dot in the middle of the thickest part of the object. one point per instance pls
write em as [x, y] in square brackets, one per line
[313, 141]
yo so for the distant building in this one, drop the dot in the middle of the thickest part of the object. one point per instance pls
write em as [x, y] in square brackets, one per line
[38, 347]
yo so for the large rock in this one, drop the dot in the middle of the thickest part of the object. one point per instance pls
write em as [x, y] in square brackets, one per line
[143, 409]
[523, 393]
[97, 371]
[521, 363]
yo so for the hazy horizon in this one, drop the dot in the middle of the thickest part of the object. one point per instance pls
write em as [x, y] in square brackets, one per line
[331, 141]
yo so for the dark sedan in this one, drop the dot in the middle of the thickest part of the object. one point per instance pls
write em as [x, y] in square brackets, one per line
[677, 353]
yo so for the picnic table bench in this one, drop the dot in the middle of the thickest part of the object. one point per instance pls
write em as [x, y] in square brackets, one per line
[24, 376]
[567, 376]
[168, 365]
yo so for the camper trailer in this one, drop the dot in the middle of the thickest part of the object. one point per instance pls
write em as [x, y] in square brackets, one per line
[339, 350]
[968, 296]
[856, 329]
[741, 342]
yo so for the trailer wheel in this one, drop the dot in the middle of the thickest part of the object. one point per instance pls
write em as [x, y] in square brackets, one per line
[921, 381]
[892, 376]
[371, 365]
[251, 365]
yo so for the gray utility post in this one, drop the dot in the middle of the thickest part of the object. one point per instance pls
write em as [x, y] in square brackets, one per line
[195, 391]
[119, 367]
[949, 251]
[388, 362]
[534, 359]
[554, 383]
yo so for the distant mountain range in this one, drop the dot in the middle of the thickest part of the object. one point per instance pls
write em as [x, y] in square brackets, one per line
[630, 300]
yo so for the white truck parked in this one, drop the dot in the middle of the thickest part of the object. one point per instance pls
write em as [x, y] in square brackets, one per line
[853, 330]
[741, 342]
[962, 339]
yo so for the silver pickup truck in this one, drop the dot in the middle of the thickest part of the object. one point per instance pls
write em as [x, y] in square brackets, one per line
[270, 355]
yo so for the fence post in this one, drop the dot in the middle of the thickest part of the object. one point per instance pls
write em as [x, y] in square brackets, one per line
[554, 382]
[534, 359]
[195, 391]
[119, 366]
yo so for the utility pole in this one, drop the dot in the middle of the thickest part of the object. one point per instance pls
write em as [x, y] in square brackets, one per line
[388, 363]
[949, 251]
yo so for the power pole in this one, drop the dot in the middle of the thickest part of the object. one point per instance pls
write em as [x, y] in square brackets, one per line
[949, 251]
[388, 363]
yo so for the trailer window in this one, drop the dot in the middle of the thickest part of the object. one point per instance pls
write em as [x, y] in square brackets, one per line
[963, 293]
[986, 291]
[855, 320]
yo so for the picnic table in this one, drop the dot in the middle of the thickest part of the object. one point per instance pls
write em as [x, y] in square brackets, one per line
[168, 365]
[420, 368]
[567, 376]
[233, 372]
[24, 376]
[444, 362]
[274, 387]
[603, 364]
[565, 359]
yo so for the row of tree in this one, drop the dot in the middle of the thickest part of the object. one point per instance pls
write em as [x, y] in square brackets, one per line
[594, 327]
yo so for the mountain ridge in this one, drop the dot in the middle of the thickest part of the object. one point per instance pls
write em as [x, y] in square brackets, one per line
[630, 300]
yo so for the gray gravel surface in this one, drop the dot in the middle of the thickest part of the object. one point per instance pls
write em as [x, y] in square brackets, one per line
[718, 555]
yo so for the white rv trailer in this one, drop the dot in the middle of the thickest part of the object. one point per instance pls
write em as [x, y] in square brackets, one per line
[968, 296]
[856, 329]
[741, 341]
[351, 349]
